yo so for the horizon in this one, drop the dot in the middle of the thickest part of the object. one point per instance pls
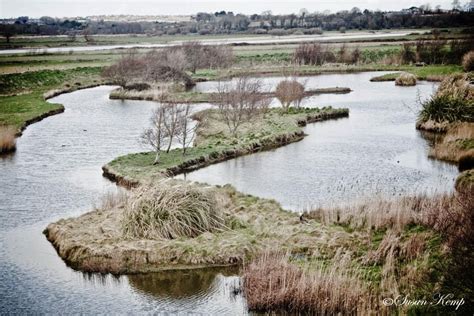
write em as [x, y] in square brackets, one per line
[83, 8]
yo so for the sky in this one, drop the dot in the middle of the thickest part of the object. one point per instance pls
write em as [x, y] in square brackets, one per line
[72, 8]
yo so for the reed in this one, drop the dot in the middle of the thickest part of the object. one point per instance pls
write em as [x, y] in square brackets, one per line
[7, 139]
[272, 282]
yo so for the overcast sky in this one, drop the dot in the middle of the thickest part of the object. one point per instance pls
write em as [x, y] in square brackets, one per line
[70, 8]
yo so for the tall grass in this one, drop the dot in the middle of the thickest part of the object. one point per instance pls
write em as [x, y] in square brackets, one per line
[273, 283]
[172, 211]
[7, 139]
[454, 101]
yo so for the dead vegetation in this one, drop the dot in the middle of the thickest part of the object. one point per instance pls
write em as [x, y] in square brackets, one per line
[7, 139]
[273, 283]
[405, 79]
[289, 92]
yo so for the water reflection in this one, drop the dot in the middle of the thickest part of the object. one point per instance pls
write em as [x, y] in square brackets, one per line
[376, 151]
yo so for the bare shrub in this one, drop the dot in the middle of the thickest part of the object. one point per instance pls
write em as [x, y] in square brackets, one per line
[239, 101]
[272, 283]
[165, 211]
[290, 92]
[312, 54]
[405, 79]
[468, 61]
[206, 56]
[407, 54]
[7, 139]
[430, 52]
[125, 70]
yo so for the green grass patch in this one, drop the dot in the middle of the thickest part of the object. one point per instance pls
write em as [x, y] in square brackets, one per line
[21, 95]
[214, 140]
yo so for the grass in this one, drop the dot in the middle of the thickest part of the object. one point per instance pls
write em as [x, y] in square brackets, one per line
[172, 212]
[454, 101]
[22, 96]
[405, 79]
[215, 143]
[456, 145]
[7, 139]
[430, 72]
[403, 249]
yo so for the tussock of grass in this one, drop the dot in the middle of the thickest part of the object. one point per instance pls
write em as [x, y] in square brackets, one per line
[171, 212]
[405, 79]
[454, 101]
[7, 139]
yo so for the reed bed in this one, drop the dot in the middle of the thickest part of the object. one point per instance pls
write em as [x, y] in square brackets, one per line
[7, 139]
[172, 211]
[272, 282]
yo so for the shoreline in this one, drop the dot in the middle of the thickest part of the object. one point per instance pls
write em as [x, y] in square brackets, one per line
[49, 95]
[139, 255]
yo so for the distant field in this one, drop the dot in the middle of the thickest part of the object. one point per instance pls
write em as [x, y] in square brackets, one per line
[63, 41]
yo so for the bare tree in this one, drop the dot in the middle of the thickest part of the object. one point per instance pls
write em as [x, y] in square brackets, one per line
[155, 136]
[128, 68]
[171, 120]
[290, 92]
[87, 33]
[186, 130]
[239, 101]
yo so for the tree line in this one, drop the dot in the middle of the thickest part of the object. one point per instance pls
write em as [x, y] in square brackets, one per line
[227, 22]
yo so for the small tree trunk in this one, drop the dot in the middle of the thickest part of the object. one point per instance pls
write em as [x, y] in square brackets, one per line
[169, 145]
[157, 158]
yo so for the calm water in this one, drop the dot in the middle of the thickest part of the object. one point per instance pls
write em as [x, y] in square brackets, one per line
[56, 173]
[377, 150]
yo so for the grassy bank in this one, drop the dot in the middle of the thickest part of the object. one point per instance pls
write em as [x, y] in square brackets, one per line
[23, 96]
[214, 143]
[430, 72]
[200, 97]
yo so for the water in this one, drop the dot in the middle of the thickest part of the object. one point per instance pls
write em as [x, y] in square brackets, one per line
[236, 40]
[376, 151]
[56, 173]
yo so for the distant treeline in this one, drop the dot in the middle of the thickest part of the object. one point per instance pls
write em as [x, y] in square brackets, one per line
[227, 23]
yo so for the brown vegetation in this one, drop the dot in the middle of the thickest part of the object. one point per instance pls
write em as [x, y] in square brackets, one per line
[168, 64]
[456, 145]
[290, 92]
[468, 61]
[7, 139]
[409, 227]
[405, 79]
[273, 283]
[171, 212]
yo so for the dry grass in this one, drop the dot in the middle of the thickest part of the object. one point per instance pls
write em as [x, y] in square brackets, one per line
[273, 283]
[468, 61]
[172, 211]
[7, 139]
[457, 145]
[405, 79]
